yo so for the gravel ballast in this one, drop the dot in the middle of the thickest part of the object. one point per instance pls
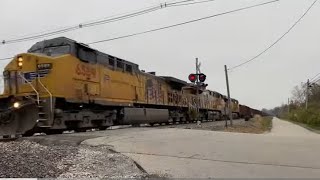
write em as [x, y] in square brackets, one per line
[26, 159]
[29, 159]
[101, 162]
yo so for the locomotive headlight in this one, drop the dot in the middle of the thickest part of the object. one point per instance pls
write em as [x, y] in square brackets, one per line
[16, 105]
[20, 62]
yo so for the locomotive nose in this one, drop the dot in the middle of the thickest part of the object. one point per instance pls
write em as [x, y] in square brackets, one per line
[7, 124]
[16, 118]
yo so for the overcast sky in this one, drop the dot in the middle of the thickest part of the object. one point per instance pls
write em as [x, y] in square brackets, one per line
[229, 39]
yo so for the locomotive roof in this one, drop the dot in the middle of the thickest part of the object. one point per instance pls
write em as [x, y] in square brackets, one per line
[215, 92]
[51, 42]
[226, 97]
[174, 80]
[61, 41]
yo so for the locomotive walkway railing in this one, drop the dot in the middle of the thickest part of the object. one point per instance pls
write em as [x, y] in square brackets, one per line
[34, 89]
[50, 94]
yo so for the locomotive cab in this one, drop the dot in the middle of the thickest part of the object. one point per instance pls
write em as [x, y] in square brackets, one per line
[27, 100]
[60, 84]
[31, 84]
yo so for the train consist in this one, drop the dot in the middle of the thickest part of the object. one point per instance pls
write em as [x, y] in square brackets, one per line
[64, 85]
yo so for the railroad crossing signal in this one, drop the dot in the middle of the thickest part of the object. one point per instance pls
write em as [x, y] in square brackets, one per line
[194, 77]
[202, 77]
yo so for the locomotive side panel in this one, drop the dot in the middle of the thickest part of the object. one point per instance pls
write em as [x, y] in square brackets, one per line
[155, 91]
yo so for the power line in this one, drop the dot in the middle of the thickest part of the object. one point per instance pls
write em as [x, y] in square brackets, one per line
[179, 24]
[279, 39]
[163, 5]
[100, 22]
[81, 25]
[177, 2]
[192, 3]
[67, 27]
[183, 23]
[315, 76]
[2, 59]
[315, 80]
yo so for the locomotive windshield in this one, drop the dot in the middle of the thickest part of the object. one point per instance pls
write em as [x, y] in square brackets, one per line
[54, 47]
[53, 50]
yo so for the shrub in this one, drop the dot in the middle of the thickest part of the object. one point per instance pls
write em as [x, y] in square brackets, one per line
[309, 116]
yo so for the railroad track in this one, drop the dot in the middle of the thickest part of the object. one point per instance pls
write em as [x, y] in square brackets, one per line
[9, 138]
[15, 137]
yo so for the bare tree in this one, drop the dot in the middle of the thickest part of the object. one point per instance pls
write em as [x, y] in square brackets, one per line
[314, 93]
[299, 94]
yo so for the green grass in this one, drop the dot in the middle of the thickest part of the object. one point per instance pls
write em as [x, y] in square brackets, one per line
[315, 129]
[307, 118]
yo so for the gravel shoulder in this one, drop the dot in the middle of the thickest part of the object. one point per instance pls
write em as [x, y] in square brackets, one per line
[101, 162]
[257, 125]
[27, 159]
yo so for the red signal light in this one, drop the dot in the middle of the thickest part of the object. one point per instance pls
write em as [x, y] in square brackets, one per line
[202, 77]
[192, 77]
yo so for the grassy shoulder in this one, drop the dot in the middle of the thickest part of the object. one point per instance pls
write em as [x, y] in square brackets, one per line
[307, 118]
[309, 127]
[256, 125]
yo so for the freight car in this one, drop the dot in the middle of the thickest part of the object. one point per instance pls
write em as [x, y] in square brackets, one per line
[61, 84]
[245, 112]
[258, 112]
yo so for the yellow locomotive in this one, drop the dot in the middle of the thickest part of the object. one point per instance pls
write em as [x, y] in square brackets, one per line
[61, 84]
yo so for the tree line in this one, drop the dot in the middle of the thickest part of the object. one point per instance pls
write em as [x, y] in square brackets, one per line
[303, 106]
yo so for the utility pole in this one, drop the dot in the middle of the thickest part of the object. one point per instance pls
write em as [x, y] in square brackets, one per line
[198, 80]
[197, 94]
[307, 93]
[288, 105]
[229, 99]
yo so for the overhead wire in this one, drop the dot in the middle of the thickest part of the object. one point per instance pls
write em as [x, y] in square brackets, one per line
[315, 76]
[81, 25]
[277, 41]
[2, 59]
[99, 22]
[87, 22]
[180, 24]
[183, 23]
[315, 80]
[178, 2]
[191, 3]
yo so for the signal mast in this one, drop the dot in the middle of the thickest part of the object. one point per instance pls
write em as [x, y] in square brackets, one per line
[198, 80]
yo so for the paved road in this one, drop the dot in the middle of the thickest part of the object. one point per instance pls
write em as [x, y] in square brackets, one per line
[285, 128]
[288, 151]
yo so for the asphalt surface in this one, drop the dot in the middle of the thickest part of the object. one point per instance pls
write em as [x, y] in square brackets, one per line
[285, 128]
[288, 151]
